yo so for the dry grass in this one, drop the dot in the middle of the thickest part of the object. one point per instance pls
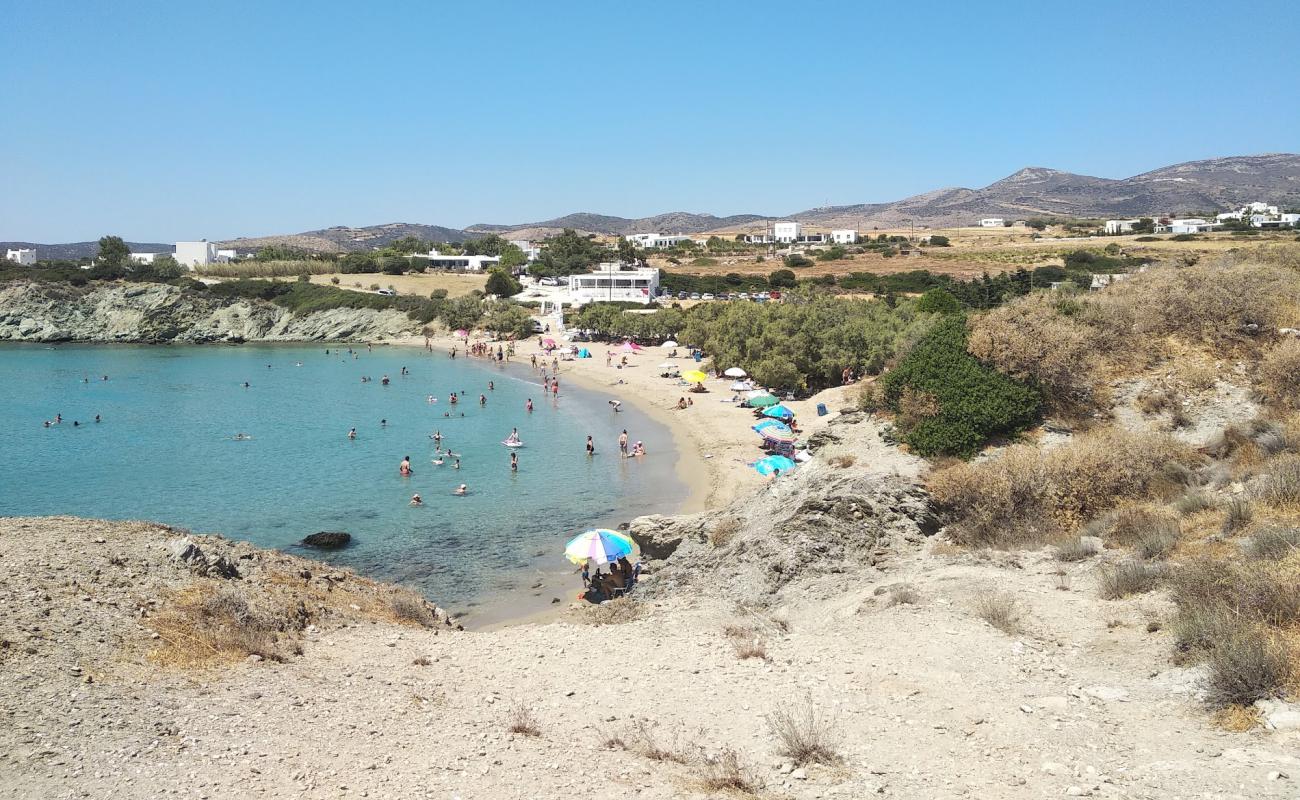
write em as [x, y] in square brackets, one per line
[726, 772]
[842, 461]
[904, 594]
[806, 733]
[411, 609]
[1076, 549]
[1274, 543]
[1237, 719]
[1278, 376]
[612, 612]
[1238, 514]
[1001, 610]
[1129, 577]
[723, 531]
[213, 622]
[642, 741]
[746, 642]
[1280, 484]
[1194, 502]
[523, 721]
[1027, 496]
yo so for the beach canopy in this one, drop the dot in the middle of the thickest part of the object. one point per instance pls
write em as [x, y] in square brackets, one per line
[768, 465]
[694, 376]
[630, 347]
[779, 412]
[601, 546]
[762, 401]
[669, 343]
[735, 372]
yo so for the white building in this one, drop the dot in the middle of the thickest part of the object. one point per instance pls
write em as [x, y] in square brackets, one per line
[227, 254]
[655, 241]
[993, 222]
[1121, 225]
[758, 238]
[614, 282]
[844, 236]
[197, 254]
[460, 263]
[531, 251]
[1259, 208]
[143, 258]
[23, 256]
[787, 232]
[1291, 219]
[1188, 225]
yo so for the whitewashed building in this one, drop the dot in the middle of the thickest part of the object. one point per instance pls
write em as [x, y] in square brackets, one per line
[655, 241]
[993, 222]
[1186, 225]
[614, 282]
[23, 256]
[229, 254]
[758, 238]
[143, 258]
[787, 232]
[197, 254]
[844, 236]
[1121, 225]
[459, 263]
[531, 251]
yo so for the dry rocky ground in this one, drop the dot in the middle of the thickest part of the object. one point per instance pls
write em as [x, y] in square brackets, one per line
[825, 598]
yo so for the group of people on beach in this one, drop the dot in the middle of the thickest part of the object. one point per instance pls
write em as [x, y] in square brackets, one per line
[603, 586]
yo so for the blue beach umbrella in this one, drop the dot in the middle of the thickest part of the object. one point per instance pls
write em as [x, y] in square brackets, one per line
[764, 424]
[602, 546]
[779, 412]
[768, 465]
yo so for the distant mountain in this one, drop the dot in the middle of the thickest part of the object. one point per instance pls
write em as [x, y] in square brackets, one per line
[74, 250]
[1205, 186]
[1197, 186]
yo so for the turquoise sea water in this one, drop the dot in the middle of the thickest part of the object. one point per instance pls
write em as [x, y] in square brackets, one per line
[164, 451]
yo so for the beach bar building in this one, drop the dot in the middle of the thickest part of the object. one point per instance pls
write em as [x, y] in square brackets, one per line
[614, 282]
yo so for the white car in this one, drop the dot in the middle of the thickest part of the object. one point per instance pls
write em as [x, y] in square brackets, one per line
[706, 296]
[387, 292]
[549, 281]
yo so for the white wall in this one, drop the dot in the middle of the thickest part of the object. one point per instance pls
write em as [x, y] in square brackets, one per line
[787, 231]
[24, 256]
[844, 237]
[196, 254]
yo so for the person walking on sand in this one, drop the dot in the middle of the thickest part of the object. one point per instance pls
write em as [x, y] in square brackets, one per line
[622, 442]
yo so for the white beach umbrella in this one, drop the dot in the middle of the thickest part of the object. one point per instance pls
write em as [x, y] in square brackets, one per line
[735, 372]
[739, 386]
[669, 343]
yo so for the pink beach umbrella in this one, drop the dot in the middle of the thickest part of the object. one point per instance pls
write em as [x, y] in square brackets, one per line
[462, 333]
[631, 347]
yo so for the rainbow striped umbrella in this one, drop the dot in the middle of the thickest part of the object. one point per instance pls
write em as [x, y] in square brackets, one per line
[601, 545]
[779, 433]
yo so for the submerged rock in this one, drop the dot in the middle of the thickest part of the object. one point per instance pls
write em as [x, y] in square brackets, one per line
[328, 540]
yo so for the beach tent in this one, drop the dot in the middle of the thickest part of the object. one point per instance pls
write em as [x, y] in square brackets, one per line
[601, 546]
[768, 465]
[630, 347]
[779, 412]
[584, 353]
[762, 401]
[735, 372]
[668, 344]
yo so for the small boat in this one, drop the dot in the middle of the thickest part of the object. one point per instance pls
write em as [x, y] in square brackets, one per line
[513, 443]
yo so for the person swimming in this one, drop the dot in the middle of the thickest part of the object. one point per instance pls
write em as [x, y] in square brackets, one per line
[460, 491]
[491, 386]
[438, 462]
[383, 423]
[529, 405]
[456, 465]
[405, 467]
[352, 433]
[97, 418]
[415, 500]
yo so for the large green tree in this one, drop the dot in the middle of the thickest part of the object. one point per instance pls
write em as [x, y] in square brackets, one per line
[113, 252]
[501, 284]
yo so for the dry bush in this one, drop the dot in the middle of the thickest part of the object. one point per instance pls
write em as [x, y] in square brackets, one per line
[1246, 666]
[1128, 578]
[806, 733]
[1001, 610]
[1274, 543]
[422, 661]
[723, 531]
[842, 461]
[1237, 515]
[1026, 496]
[1038, 339]
[1193, 502]
[523, 721]
[410, 608]
[1237, 719]
[1280, 484]
[612, 612]
[1157, 543]
[1278, 376]
[904, 594]
[641, 740]
[746, 642]
[727, 773]
[1258, 590]
[1076, 549]
[915, 407]
[1198, 376]
[1136, 525]
[1156, 398]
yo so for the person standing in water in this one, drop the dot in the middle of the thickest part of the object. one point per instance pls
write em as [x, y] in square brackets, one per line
[415, 500]
[482, 400]
[591, 447]
[514, 461]
[622, 442]
[529, 405]
[405, 467]
[352, 433]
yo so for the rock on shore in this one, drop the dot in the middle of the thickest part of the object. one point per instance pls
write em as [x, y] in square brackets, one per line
[147, 312]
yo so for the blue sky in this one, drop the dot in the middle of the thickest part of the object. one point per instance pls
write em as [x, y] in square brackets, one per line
[161, 120]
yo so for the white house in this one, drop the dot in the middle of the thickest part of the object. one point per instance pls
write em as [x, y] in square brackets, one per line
[23, 256]
[197, 254]
[654, 241]
[614, 282]
[229, 254]
[758, 238]
[462, 263]
[1259, 208]
[143, 258]
[844, 236]
[787, 232]
[531, 251]
[993, 222]
[1121, 225]
[1187, 225]
[1291, 219]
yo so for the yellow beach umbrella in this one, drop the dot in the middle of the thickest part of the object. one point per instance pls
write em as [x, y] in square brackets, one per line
[694, 376]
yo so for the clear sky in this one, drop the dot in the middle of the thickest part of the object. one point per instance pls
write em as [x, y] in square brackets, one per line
[171, 120]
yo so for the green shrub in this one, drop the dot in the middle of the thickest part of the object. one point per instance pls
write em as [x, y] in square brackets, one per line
[975, 403]
[938, 301]
[939, 241]
[501, 284]
[796, 260]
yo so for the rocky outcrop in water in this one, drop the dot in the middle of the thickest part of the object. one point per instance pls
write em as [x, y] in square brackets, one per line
[148, 312]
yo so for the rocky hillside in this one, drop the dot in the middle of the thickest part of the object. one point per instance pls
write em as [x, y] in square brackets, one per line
[48, 312]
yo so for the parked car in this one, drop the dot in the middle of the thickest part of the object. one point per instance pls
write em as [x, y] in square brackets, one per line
[695, 295]
[743, 296]
[682, 295]
[706, 296]
[387, 292]
[549, 281]
[538, 327]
